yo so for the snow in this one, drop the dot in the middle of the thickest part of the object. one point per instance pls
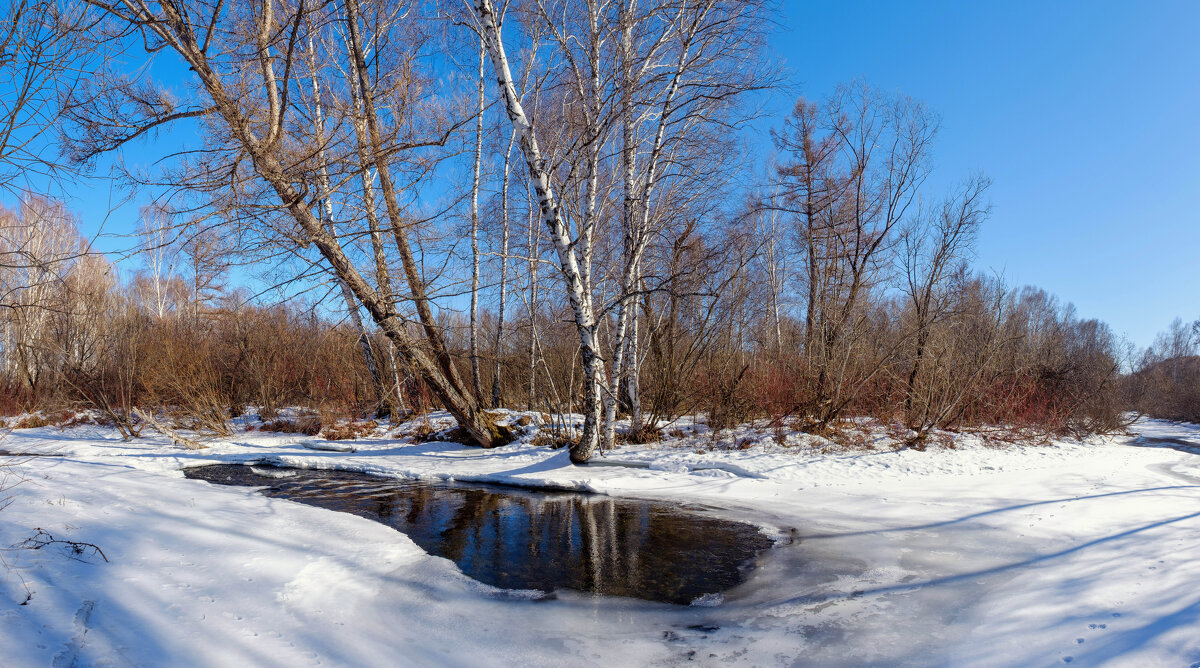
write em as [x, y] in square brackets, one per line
[976, 555]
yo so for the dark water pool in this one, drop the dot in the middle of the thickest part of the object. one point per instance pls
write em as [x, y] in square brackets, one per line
[545, 540]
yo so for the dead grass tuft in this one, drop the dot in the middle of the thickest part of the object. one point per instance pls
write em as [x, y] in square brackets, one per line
[554, 438]
[308, 425]
[39, 419]
[646, 434]
[349, 430]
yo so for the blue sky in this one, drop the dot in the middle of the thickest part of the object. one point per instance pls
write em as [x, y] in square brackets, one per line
[1086, 115]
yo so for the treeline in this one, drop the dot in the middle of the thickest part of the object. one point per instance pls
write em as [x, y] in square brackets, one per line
[548, 205]
[717, 341]
[1165, 382]
[75, 336]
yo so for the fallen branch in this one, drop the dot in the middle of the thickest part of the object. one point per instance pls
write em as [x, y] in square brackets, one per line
[176, 438]
[76, 550]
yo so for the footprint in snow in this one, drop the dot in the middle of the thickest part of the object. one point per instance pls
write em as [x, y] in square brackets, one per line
[69, 655]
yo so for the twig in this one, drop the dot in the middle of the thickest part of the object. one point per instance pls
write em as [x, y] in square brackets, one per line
[78, 549]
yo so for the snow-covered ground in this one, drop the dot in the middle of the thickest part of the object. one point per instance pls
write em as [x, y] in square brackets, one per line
[972, 555]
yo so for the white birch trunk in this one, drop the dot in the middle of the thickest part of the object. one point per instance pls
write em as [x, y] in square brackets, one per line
[636, 236]
[512, 137]
[475, 382]
[569, 262]
[535, 239]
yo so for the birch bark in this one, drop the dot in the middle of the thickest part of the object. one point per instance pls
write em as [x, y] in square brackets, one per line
[569, 261]
[475, 383]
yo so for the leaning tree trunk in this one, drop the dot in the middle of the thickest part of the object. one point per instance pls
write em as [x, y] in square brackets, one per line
[382, 408]
[265, 153]
[569, 262]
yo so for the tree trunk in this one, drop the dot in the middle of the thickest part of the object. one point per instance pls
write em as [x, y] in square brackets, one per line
[475, 383]
[382, 409]
[512, 137]
[570, 264]
[264, 155]
[535, 239]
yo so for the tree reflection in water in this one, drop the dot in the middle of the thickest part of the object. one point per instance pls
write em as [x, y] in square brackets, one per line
[546, 540]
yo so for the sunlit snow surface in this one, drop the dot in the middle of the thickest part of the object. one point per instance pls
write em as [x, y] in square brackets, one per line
[1021, 556]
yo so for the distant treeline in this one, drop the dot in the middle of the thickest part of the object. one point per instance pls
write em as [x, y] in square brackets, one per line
[1166, 380]
[173, 337]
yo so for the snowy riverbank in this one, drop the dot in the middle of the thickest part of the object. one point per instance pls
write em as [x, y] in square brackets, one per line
[976, 555]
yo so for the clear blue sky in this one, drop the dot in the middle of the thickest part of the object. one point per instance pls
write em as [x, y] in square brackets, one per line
[1086, 114]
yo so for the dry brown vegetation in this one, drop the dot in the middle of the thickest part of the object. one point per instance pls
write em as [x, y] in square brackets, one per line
[1165, 381]
[349, 430]
[995, 357]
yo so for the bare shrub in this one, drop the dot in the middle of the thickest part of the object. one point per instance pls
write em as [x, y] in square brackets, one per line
[641, 435]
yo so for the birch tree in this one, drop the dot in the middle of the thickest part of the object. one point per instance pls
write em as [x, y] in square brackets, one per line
[160, 254]
[673, 72]
[475, 175]
[326, 211]
[683, 68]
[571, 265]
[503, 288]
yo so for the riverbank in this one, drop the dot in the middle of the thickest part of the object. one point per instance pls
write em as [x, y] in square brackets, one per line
[965, 554]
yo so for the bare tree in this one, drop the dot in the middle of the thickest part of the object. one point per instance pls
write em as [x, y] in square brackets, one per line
[249, 89]
[932, 251]
[42, 57]
[570, 263]
[160, 253]
[39, 243]
[326, 209]
[207, 262]
[674, 72]
[859, 163]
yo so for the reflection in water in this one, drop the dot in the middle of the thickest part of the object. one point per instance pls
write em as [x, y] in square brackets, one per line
[542, 540]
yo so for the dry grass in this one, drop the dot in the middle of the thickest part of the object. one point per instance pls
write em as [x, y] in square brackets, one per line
[78, 419]
[349, 430]
[647, 434]
[423, 431]
[308, 425]
[41, 419]
[554, 438]
[850, 437]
